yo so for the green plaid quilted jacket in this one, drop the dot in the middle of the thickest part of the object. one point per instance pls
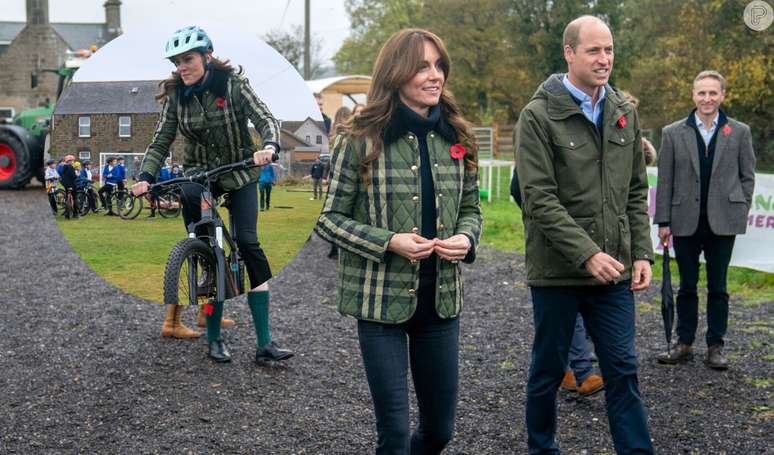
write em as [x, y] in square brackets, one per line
[214, 129]
[374, 284]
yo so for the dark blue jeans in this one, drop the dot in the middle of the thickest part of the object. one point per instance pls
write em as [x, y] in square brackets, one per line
[717, 252]
[608, 313]
[431, 346]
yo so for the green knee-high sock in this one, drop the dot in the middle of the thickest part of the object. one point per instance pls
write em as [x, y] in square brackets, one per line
[213, 322]
[259, 307]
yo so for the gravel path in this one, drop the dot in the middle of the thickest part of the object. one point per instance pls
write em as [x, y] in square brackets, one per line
[83, 368]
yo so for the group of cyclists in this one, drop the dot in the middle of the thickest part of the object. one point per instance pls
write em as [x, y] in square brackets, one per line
[70, 185]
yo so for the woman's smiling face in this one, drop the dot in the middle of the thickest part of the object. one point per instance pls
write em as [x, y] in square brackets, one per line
[424, 89]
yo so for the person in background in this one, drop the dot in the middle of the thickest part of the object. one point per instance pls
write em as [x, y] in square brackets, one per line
[265, 182]
[342, 115]
[317, 172]
[121, 176]
[68, 178]
[175, 172]
[706, 178]
[647, 147]
[110, 181]
[164, 175]
[52, 180]
[84, 183]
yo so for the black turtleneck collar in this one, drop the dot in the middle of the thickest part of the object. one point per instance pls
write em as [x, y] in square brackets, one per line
[214, 80]
[406, 120]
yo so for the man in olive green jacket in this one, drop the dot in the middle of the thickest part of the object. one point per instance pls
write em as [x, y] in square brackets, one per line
[584, 188]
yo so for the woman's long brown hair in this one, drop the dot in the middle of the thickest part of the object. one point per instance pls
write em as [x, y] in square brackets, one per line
[174, 79]
[398, 61]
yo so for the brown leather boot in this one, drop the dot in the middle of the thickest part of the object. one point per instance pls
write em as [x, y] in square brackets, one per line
[681, 353]
[715, 358]
[168, 326]
[180, 330]
[568, 382]
[591, 385]
[225, 323]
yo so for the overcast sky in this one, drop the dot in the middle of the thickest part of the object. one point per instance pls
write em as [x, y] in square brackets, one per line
[329, 18]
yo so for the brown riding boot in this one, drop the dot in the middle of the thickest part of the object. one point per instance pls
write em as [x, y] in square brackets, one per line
[168, 327]
[180, 330]
[202, 322]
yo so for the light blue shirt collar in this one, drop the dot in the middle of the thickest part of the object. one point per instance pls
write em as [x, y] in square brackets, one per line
[705, 133]
[591, 112]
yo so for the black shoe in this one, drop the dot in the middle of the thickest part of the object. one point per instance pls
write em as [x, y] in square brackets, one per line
[715, 358]
[272, 351]
[218, 352]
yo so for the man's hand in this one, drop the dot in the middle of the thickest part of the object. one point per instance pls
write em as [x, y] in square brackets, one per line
[263, 157]
[455, 248]
[664, 233]
[140, 188]
[641, 275]
[411, 246]
[604, 267]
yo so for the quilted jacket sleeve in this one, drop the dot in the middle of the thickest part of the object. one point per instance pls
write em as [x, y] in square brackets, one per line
[469, 220]
[337, 221]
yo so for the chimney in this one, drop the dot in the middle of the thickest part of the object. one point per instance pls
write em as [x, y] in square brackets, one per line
[113, 18]
[37, 12]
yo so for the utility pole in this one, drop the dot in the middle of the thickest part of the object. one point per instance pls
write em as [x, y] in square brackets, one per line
[307, 57]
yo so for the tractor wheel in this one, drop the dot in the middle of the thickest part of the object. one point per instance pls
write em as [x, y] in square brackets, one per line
[14, 162]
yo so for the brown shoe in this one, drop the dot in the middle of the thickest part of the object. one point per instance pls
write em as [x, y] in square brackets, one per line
[181, 330]
[168, 326]
[681, 353]
[715, 358]
[591, 385]
[568, 383]
[201, 321]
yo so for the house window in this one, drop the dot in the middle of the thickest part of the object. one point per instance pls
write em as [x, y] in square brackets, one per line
[124, 126]
[308, 139]
[319, 139]
[84, 155]
[6, 114]
[84, 126]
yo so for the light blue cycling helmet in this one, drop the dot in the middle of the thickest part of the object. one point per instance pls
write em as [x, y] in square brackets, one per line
[187, 39]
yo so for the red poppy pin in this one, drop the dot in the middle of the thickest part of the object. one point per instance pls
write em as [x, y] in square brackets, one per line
[220, 102]
[621, 122]
[457, 151]
[208, 309]
[726, 130]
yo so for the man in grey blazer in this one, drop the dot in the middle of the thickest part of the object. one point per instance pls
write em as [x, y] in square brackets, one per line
[706, 174]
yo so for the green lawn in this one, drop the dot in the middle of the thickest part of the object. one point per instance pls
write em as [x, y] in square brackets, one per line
[132, 254]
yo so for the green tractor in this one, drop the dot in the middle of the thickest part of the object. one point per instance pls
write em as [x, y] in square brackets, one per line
[24, 142]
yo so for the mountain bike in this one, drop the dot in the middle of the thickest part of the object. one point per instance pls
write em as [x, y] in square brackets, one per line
[127, 205]
[82, 196]
[207, 266]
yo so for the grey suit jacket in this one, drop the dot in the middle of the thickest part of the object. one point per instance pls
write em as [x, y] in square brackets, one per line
[731, 182]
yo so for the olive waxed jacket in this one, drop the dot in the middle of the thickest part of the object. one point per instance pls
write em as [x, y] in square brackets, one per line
[583, 192]
[374, 284]
[214, 129]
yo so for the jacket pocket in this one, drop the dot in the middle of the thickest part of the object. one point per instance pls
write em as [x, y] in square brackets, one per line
[554, 264]
[677, 200]
[737, 196]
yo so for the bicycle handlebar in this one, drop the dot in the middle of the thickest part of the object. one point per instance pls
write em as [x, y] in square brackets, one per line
[210, 175]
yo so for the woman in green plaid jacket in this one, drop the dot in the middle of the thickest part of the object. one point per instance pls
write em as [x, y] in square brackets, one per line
[403, 207]
[210, 103]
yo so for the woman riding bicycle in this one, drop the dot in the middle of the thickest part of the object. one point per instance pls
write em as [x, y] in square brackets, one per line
[210, 103]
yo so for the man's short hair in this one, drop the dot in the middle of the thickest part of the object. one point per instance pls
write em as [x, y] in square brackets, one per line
[572, 30]
[711, 74]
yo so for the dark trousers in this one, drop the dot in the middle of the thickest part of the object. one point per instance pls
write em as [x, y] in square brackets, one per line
[717, 252]
[244, 211]
[52, 201]
[265, 189]
[71, 205]
[608, 313]
[317, 188]
[430, 345]
[104, 195]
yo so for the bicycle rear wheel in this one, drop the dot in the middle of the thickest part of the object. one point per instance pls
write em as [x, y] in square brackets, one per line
[190, 273]
[169, 204]
[126, 205]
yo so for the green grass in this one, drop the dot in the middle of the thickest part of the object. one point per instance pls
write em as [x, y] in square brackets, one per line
[504, 231]
[132, 254]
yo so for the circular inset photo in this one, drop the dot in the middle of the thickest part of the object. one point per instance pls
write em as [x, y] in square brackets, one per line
[181, 154]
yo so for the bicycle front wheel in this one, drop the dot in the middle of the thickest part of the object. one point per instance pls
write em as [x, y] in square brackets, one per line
[190, 273]
[83, 202]
[126, 205]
